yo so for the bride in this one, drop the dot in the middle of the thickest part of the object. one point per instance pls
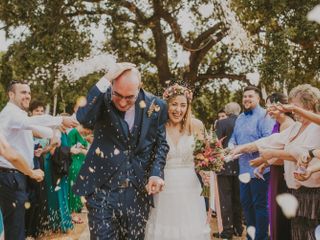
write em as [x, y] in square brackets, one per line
[179, 211]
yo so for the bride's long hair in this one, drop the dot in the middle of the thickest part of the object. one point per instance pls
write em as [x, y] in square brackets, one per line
[178, 90]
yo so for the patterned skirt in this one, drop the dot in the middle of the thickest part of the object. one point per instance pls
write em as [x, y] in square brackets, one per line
[308, 215]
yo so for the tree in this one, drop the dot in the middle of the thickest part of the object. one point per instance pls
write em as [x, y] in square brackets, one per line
[289, 43]
[150, 33]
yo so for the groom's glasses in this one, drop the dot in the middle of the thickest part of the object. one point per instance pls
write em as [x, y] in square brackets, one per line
[130, 98]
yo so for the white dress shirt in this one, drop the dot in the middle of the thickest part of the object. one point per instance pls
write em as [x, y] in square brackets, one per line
[17, 126]
[103, 84]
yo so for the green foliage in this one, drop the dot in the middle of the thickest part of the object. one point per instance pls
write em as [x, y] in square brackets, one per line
[290, 44]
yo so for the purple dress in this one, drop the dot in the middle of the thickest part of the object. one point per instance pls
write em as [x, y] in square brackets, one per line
[280, 228]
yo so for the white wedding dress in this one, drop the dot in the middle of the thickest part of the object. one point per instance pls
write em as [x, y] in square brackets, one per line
[179, 212]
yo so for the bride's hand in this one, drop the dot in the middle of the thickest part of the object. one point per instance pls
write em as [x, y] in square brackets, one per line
[205, 176]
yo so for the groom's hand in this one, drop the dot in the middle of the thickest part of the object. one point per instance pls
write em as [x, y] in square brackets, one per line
[155, 185]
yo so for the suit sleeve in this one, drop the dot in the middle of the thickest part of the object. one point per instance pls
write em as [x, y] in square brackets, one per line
[219, 130]
[89, 114]
[162, 147]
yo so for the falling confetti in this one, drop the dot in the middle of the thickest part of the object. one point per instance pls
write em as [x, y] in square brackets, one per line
[57, 188]
[14, 204]
[116, 151]
[91, 169]
[58, 181]
[317, 232]
[244, 177]
[142, 104]
[314, 14]
[81, 68]
[102, 154]
[288, 203]
[98, 151]
[27, 205]
[251, 230]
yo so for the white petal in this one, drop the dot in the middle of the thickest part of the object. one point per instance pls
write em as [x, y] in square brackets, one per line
[251, 230]
[288, 203]
[244, 177]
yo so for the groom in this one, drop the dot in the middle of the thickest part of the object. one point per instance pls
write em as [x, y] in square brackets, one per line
[125, 163]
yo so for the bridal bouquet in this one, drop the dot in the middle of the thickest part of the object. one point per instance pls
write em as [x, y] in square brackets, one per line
[208, 156]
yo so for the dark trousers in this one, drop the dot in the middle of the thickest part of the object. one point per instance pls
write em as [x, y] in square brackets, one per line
[254, 201]
[12, 199]
[229, 195]
[118, 214]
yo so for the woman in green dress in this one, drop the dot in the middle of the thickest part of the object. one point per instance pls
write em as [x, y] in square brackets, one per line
[76, 139]
[60, 215]
[1, 227]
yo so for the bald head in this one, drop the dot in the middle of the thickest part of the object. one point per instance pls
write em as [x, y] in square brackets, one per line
[125, 89]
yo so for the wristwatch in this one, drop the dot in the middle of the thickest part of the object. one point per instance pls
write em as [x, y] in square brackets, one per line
[311, 153]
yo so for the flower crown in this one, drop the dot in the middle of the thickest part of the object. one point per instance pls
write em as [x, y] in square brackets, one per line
[176, 90]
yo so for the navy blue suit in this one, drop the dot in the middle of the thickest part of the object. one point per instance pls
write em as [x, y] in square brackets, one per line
[119, 164]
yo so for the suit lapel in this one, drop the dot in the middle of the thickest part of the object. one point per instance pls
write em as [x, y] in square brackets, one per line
[148, 99]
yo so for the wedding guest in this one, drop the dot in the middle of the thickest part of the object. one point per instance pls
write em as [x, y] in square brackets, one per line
[285, 145]
[250, 126]
[228, 181]
[37, 216]
[76, 137]
[280, 227]
[221, 115]
[18, 128]
[17, 160]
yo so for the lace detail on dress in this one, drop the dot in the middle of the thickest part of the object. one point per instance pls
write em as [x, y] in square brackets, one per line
[181, 155]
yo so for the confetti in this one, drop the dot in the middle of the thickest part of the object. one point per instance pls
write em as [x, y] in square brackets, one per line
[317, 232]
[14, 204]
[288, 203]
[91, 169]
[27, 205]
[244, 177]
[58, 181]
[81, 177]
[251, 230]
[314, 14]
[116, 151]
[57, 188]
[81, 68]
[98, 151]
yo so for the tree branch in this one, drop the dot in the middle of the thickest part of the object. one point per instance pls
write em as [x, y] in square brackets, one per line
[240, 77]
[208, 33]
[176, 29]
[135, 10]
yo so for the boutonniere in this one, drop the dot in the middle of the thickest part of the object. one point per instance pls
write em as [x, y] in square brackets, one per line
[153, 108]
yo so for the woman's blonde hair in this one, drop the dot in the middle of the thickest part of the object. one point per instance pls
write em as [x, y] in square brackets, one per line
[308, 95]
[176, 90]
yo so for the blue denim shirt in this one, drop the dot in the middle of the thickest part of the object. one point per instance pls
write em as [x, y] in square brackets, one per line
[249, 128]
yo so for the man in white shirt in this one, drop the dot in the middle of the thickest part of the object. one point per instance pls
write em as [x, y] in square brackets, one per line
[18, 129]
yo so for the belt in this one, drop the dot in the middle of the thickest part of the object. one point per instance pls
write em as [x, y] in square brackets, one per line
[125, 184]
[8, 170]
